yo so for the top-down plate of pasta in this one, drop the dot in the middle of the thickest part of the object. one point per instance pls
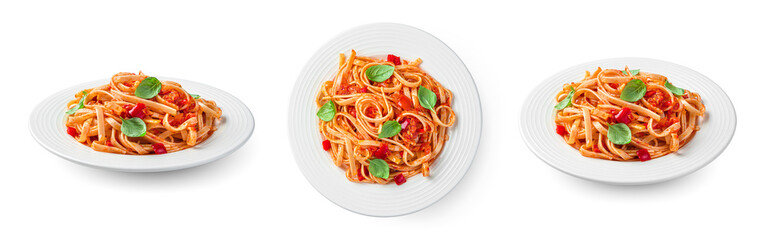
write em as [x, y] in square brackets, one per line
[138, 123]
[431, 168]
[628, 121]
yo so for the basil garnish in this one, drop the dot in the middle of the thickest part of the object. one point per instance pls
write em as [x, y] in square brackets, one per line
[327, 111]
[133, 127]
[379, 73]
[195, 96]
[148, 88]
[567, 101]
[426, 98]
[633, 72]
[619, 133]
[675, 90]
[634, 90]
[379, 168]
[79, 105]
[389, 129]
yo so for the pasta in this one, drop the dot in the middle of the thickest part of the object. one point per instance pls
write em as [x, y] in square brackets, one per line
[627, 115]
[138, 114]
[383, 120]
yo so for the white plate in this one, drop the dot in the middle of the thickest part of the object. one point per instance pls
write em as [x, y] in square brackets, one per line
[47, 127]
[419, 192]
[717, 127]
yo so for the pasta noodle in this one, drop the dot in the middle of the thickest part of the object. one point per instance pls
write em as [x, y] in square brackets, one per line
[660, 121]
[363, 109]
[174, 119]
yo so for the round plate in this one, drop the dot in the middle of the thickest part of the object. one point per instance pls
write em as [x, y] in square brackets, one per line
[419, 192]
[716, 127]
[236, 126]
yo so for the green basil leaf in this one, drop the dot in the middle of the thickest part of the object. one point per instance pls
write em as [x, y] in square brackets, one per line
[379, 73]
[619, 133]
[634, 90]
[133, 127]
[426, 98]
[195, 96]
[567, 101]
[379, 168]
[79, 105]
[633, 72]
[675, 90]
[389, 129]
[148, 88]
[327, 111]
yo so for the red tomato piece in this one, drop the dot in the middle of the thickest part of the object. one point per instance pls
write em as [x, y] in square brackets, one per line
[72, 132]
[382, 152]
[393, 59]
[399, 179]
[138, 111]
[404, 103]
[359, 174]
[643, 155]
[561, 130]
[159, 148]
[623, 116]
[326, 145]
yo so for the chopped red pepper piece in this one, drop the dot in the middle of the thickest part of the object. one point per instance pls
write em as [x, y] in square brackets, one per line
[159, 148]
[138, 111]
[561, 130]
[643, 155]
[326, 145]
[623, 116]
[399, 179]
[382, 152]
[393, 59]
[72, 132]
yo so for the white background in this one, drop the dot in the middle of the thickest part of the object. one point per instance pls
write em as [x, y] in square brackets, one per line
[255, 51]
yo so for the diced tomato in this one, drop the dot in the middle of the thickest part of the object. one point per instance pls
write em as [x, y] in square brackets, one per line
[643, 155]
[159, 148]
[138, 111]
[596, 149]
[326, 145]
[72, 132]
[650, 93]
[382, 152]
[393, 59]
[404, 103]
[353, 112]
[400, 179]
[109, 143]
[359, 174]
[623, 116]
[561, 130]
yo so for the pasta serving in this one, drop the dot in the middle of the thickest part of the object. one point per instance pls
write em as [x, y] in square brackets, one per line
[383, 120]
[626, 115]
[138, 114]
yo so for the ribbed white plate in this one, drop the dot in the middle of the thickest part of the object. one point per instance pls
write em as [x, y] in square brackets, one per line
[419, 192]
[47, 127]
[717, 127]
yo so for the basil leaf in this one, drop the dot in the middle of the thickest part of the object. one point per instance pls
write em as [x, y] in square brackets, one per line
[379, 73]
[79, 105]
[379, 168]
[327, 111]
[567, 101]
[426, 98]
[389, 129]
[632, 72]
[634, 90]
[148, 88]
[619, 133]
[675, 90]
[195, 96]
[133, 127]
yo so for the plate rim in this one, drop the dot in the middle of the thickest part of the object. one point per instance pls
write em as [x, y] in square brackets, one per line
[248, 115]
[305, 69]
[550, 78]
